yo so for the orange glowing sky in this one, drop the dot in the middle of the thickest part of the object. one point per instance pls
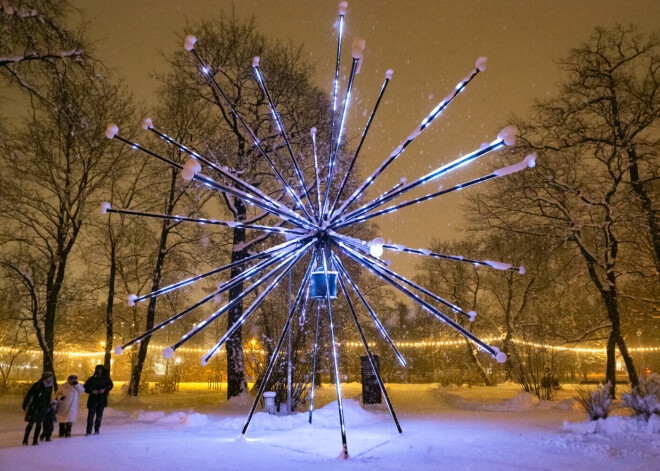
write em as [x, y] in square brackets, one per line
[431, 45]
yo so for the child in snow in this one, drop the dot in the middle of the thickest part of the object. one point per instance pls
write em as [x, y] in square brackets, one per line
[67, 409]
[98, 387]
[49, 419]
[36, 401]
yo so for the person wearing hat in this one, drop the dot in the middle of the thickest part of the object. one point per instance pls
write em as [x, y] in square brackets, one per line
[97, 386]
[67, 409]
[36, 401]
[49, 420]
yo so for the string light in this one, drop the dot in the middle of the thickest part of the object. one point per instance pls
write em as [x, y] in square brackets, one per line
[351, 344]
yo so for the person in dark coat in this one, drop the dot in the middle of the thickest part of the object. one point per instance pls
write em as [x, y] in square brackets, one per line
[97, 386]
[49, 419]
[35, 404]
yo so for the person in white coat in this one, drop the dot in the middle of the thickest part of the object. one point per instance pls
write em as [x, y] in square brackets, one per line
[67, 408]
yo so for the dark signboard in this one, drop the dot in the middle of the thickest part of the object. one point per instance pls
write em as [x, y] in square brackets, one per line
[370, 388]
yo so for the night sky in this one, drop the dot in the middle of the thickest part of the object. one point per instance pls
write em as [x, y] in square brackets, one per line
[431, 45]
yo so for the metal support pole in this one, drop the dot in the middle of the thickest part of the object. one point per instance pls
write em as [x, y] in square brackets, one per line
[288, 356]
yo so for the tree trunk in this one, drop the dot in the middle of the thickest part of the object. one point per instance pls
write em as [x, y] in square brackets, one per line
[53, 288]
[136, 373]
[610, 369]
[647, 208]
[609, 297]
[109, 306]
[507, 349]
[236, 382]
[476, 362]
[627, 359]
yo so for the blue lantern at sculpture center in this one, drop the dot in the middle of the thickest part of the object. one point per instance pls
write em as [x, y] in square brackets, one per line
[319, 283]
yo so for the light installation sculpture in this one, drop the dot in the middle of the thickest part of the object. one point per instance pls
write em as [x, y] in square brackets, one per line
[313, 228]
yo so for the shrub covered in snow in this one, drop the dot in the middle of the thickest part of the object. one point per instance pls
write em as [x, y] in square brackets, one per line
[595, 403]
[645, 399]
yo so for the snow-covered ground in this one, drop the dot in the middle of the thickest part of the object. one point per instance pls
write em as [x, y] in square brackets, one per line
[443, 428]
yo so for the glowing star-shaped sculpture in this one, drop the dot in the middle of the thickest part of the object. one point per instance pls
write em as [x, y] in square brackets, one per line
[312, 226]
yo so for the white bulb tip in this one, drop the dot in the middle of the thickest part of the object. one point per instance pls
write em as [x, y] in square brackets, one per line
[147, 123]
[376, 251]
[104, 207]
[313, 131]
[376, 247]
[531, 160]
[189, 43]
[388, 74]
[187, 173]
[343, 6]
[358, 48]
[480, 64]
[111, 131]
[500, 357]
[255, 61]
[403, 180]
[119, 350]
[168, 353]
[205, 361]
[194, 165]
[521, 270]
[131, 299]
[508, 135]
[472, 315]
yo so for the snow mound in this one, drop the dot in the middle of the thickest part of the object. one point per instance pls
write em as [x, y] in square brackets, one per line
[177, 418]
[110, 412]
[568, 404]
[354, 415]
[262, 421]
[521, 402]
[325, 418]
[616, 426]
[243, 399]
[147, 416]
[184, 418]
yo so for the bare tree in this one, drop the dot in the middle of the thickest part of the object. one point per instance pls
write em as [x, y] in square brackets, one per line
[460, 284]
[610, 104]
[33, 40]
[14, 331]
[597, 161]
[171, 253]
[55, 163]
[110, 236]
[228, 46]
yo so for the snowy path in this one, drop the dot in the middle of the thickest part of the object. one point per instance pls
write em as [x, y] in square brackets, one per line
[436, 436]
